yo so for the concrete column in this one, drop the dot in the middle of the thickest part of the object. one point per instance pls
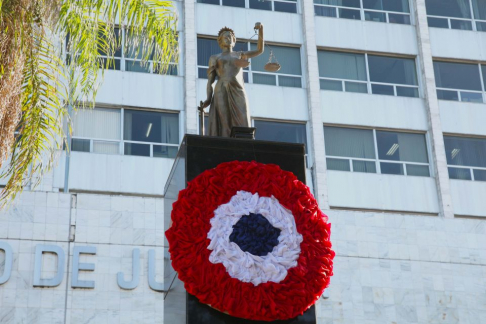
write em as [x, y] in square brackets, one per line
[190, 100]
[432, 105]
[316, 147]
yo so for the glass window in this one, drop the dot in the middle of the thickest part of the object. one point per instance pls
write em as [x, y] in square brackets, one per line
[401, 147]
[364, 166]
[465, 151]
[483, 71]
[392, 70]
[392, 11]
[459, 173]
[479, 9]
[437, 22]
[388, 5]
[288, 57]
[262, 5]
[399, 19]
[97, 123]
[100, 131]
[382, 69]
[349, 13]
[285, 6]
[147, 126]
[280, 132]
[214, 2]
[448, 8]
[398, 153]
[342, 65]
[382, 89]
[234, 3]
[375, 16]
[338, 164]
[349, 142]
[205, 48]
[391, 168]
[340, 3]
[80, 145]
[457, 75]
[129, 58]
[325, 11]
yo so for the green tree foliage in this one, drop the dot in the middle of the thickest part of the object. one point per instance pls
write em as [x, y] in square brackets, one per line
[39, 80]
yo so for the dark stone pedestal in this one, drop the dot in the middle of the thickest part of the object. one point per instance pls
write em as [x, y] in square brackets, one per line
[198, 313]
[197, 154]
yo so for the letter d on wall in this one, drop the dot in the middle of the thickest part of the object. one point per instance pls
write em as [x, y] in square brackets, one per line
[8, 262]
[56, 281]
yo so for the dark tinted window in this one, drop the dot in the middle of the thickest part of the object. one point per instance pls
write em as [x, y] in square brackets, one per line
[457, 76]
[388, 5]
[392, 70]
[342, 3]
[349, 142]
[342, 65]
[288, 57]
[465, 151]
[401, 147]
[145, 126]
[448, 8]
[479, 8]
[280, 132]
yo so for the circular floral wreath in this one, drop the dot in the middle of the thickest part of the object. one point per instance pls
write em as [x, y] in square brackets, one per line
[218, 222]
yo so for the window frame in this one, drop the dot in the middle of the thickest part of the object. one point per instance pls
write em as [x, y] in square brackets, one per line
[470, 168]
[460, 91]
[377, 160]
[121, 142]
[123, 59]
[368, 81]
[247, 5]
[249, 72]
[473, 20]
[362, 10]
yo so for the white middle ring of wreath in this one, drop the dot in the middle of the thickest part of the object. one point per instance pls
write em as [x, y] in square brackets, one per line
[243, 265]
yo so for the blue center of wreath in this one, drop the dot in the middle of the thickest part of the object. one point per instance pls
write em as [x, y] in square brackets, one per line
[254, 234]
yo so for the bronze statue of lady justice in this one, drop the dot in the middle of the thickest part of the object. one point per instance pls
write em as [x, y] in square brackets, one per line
[229, 104]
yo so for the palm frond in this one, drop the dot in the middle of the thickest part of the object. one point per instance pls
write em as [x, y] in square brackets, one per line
[50, 59]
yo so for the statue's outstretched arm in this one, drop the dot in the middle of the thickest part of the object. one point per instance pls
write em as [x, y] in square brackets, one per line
[260, 45]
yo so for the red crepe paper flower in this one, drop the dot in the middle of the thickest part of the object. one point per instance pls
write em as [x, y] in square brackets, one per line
[250, 298]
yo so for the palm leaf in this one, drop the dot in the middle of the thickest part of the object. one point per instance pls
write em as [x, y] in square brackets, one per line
[49, 60]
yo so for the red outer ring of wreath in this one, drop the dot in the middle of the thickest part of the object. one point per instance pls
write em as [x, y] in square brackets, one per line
[211, 283]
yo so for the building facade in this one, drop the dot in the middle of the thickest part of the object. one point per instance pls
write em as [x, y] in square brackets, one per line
[389, 97]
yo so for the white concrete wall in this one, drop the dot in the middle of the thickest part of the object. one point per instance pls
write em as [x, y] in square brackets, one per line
[382, 191]
[118, 173]
[278, 26]
[389, 268]
[469, 197]
[458, 44]
[463, 117]
[145, 90]
[269, 101]
[405, 269]
[373, 110]
[115, 226]
[365, 36]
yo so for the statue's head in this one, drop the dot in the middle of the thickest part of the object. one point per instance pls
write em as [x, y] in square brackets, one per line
[226, 38]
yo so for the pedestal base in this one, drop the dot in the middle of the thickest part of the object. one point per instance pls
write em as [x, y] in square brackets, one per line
[243, 132]
[203, 314]
[200, 153]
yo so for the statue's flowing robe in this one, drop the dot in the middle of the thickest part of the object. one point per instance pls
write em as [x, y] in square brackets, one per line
[229, 105]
